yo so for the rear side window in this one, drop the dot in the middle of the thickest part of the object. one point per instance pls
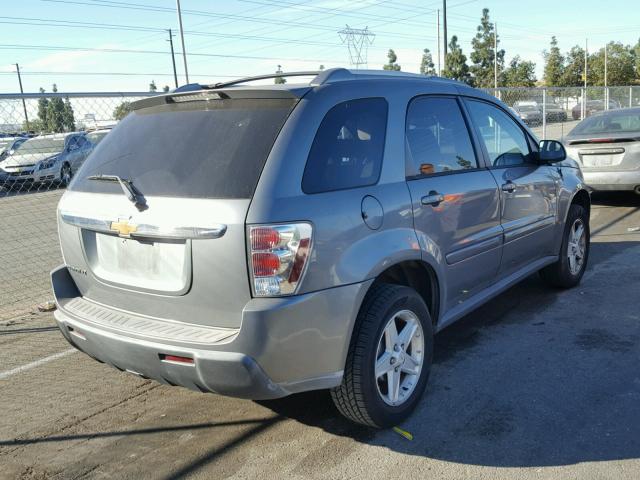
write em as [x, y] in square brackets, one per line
[203, 149]
[348, 148]
[437, 138]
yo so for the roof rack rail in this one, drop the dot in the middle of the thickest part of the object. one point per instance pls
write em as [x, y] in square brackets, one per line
[307, 73]
[320, 77]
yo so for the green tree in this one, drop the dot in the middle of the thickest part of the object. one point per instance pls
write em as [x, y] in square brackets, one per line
[620, 65]
[321, 67]
[152, 86]
[55, 113]
[122, 110]
[279, 80]
[456, 66]
[553, 65]
[43, 104]
[483, 53]
[520, 73]
[426, 65]
[392, 63]
[573, 72]
[166, 88]
[68, 118]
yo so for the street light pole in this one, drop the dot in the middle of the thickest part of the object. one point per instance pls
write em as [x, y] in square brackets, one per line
[439, 71]
[184, 52]
[444, 29]
[495, 56]
[173, 58]
[24, 105]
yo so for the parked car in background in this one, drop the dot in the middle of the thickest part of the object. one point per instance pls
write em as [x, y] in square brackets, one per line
[46, 158]
[592, 106]
[530, 114]
[554, 112]
[9, 144]
[96, 136]
[607, 145]
[240, 240]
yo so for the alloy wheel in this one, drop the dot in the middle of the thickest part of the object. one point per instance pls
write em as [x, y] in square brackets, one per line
[399, 358]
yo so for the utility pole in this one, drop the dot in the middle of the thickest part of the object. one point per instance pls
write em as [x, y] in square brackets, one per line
[495, 55]
[444, 28]
[173, 58]
[184, 52]
[358, 41]
[24, 105]
[438, 14]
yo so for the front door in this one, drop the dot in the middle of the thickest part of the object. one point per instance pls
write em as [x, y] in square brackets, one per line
[528, 189]
[456, 203]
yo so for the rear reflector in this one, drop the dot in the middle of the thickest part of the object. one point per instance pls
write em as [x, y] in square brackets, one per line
[176, 359]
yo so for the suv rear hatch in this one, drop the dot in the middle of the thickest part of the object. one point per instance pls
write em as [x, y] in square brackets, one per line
[194, 160]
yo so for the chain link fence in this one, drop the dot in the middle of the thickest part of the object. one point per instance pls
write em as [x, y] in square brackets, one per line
[44, 138]
[553, 112]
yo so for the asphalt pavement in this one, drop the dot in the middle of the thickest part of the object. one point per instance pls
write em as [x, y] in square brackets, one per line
[537, 384]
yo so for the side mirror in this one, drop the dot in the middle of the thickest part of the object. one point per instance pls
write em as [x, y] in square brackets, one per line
[552, 151]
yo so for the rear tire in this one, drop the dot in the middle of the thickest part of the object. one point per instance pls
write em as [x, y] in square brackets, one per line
[366, 395]
[574, 252]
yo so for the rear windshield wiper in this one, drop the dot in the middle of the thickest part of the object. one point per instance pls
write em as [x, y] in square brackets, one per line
[127, 188]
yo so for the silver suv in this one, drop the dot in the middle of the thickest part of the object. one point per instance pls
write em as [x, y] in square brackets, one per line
[258, 241]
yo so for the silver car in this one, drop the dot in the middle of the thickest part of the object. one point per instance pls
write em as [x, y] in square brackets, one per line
[607, 145]
[45, 158]
[258, 241]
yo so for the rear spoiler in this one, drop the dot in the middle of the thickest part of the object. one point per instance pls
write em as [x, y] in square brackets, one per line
[204, 94]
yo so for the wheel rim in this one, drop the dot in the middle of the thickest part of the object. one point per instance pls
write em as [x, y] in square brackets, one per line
[577, 247]
[65, 176]
[399, 358]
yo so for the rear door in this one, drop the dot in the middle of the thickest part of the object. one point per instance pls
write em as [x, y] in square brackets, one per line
[455, 200]
[181, 256]
[528, 190]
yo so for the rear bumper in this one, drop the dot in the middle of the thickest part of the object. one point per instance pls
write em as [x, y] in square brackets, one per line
[284, 346]
[612, 180]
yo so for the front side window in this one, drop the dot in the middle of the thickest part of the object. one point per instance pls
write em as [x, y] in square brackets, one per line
[348, 147]
[437, 139]
[504, 140]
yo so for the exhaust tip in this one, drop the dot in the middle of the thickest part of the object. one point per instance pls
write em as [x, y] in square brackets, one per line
[637, 189]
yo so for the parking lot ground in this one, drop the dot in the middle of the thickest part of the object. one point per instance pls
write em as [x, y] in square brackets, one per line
[537, 384]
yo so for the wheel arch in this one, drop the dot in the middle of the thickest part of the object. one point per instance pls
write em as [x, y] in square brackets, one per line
[420, 276]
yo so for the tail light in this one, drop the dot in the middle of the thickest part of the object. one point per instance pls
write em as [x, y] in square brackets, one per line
[277, 257]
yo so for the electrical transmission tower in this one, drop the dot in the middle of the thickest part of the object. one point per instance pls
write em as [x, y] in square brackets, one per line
[358, 41]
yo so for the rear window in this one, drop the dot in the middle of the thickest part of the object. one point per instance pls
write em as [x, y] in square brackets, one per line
[348, 148]
[624, 122]
[210, 149]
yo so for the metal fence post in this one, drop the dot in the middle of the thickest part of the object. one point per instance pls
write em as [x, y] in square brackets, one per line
[544, 113]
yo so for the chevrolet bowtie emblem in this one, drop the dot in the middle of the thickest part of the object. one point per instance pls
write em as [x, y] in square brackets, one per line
[124, 228]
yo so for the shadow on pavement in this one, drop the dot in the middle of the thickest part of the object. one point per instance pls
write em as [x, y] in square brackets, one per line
[536, 377]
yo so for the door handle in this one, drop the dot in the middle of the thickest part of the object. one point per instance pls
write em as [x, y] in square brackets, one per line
[434, 199]
[509, 187]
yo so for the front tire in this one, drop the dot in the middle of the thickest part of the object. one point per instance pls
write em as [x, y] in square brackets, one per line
[574, 252]
[389, 358]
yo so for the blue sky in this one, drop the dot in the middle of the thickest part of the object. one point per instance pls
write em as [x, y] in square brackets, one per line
[234, 38]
